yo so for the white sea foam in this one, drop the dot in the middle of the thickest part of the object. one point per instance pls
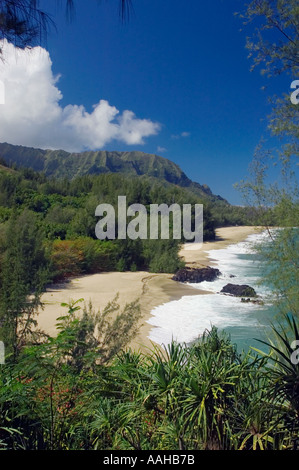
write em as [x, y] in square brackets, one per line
[186, 319]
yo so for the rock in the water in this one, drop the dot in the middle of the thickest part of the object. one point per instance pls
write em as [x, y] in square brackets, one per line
[196, 275]
[239, 291]
[253, 301]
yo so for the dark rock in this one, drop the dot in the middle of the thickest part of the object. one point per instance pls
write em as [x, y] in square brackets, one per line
[253, 301]
[239, 291]
[196, 275]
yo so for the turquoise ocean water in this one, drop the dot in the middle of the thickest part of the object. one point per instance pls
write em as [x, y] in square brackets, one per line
[186, 319]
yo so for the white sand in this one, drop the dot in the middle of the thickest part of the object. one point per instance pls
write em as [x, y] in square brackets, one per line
[151, 289]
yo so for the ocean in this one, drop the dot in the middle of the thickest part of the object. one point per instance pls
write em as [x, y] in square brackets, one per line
[186, 319]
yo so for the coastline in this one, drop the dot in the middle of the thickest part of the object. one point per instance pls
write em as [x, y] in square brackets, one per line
[150, 289]
[162, 289]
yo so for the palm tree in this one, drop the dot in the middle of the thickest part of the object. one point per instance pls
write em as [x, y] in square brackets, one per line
[283, 371]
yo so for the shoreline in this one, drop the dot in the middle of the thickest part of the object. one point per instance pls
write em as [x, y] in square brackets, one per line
[167, 290]
[150, 289]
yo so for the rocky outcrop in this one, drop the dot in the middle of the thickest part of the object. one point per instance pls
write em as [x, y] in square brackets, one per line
[196, 275]
[239, 290]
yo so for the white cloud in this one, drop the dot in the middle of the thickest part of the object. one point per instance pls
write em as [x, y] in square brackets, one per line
[161, 149]
[179, 136]
[32, 114]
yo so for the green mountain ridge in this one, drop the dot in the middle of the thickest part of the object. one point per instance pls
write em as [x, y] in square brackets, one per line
[62, 164]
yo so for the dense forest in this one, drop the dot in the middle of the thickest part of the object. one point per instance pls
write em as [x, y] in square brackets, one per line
[63, 213]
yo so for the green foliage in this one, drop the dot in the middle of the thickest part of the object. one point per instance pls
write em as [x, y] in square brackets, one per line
[274, 44]
[65, 213]
[283, 366]
[81, 256]
[163, 256]
[204, 397]
[226, 216]
[44, 394]
[275, 47]
[24, 273]
[134, 165]
[80, 390]
[282, 251]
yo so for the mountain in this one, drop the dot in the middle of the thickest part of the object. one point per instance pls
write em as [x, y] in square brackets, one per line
[60, 164]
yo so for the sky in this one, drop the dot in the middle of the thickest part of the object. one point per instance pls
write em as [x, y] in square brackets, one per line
[173, 80]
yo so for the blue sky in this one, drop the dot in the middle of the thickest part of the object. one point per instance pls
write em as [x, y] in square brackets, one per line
[182, 65]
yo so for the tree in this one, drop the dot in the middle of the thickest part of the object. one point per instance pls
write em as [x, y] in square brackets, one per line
[274, 46]
[277, 21]
[23, 23]
[24, 272]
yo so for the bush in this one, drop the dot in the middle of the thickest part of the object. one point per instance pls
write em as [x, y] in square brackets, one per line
[82, 256]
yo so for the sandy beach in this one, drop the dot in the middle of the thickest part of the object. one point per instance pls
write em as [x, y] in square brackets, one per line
[151, 290]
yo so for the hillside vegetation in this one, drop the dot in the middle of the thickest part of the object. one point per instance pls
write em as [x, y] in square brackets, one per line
[63, 209]
[61, 164]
